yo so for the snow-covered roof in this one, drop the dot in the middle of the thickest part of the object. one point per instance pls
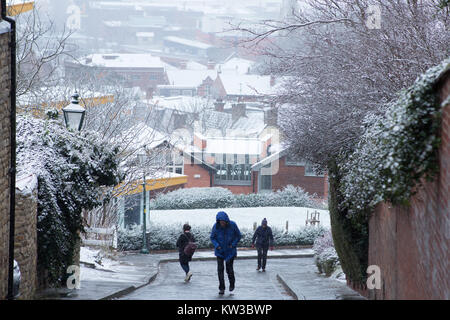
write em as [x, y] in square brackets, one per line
[251, 125]
[273, 157]
[189, 77]
[246, 84]
[187, 42]
[182, 103]
[237, 65]
[233, 146]
[145, 34]
[123, 60]
[26, 183]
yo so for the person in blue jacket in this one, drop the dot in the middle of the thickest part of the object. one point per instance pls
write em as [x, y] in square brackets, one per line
[225, 236]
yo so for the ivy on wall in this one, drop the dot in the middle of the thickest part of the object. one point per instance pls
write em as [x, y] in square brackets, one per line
[397, 150]
[71, 167]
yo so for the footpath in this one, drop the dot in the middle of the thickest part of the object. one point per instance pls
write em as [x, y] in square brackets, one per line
[133, 270]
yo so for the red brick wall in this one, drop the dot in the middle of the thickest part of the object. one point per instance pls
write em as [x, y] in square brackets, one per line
[191, 170]
[295, 175]
[411, 245]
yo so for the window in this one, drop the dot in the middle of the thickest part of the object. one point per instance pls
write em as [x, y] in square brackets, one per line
[238, 172]
[171, 160]
[310, 172]
[294, 161]
[132, 210]
[176, 163]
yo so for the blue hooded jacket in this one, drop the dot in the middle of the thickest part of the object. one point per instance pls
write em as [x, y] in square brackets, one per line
[225, 237]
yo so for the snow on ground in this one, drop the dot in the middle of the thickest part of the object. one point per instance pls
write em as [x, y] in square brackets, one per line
[97, 257]
[244, 217]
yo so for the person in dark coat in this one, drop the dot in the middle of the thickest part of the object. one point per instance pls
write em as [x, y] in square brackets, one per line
[264, 239]
[182, 241]
[225, 236]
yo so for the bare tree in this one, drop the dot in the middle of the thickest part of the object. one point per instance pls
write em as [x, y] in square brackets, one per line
[337, 68]
[40, 50]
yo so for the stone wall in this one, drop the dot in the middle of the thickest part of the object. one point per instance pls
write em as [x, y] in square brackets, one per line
[25, 237]
[4, 155]
[411, 245]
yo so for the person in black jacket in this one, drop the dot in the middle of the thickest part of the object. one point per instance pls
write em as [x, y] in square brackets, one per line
[264, 239]
[182, 241]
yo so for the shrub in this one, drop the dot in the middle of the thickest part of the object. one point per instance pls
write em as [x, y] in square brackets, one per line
[325, 255]
[193, 198]
[164, 237]
[72, 169]
[205, 198]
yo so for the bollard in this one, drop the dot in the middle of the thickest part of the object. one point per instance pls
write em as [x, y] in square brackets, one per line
[287, 226]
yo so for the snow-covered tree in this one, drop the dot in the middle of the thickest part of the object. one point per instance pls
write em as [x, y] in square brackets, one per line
[338, 65]
[71, 168]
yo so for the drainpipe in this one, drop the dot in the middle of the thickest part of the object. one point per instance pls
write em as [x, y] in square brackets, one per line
[12, 170]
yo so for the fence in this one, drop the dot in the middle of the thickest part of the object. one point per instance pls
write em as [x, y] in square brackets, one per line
[99, 237]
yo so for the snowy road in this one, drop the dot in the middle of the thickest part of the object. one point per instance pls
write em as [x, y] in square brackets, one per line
[250, 284]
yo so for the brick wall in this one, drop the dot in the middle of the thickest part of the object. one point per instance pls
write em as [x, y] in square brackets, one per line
[4, 160]
[411, 245]
[25, 238]
[195, 169]
[295, 175]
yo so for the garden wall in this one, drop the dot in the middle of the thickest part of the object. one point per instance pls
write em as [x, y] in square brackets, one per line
[25, 237]
[5, 83]
[411, 245]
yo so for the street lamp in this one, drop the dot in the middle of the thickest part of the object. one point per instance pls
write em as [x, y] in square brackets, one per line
[74, 113]
[141, 158]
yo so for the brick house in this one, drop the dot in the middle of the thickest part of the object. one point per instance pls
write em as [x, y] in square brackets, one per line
[137, 70]
[241, 165]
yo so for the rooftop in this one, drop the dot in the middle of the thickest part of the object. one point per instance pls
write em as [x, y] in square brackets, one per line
[123, 60]
[187, 42]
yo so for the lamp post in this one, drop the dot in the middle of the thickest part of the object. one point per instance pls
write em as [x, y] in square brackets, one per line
[144, 249]
[74, 113]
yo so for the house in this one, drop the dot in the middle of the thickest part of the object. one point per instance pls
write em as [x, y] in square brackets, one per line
[242, 165]
[130, 201]
[199, 79]
[230, 86]
[135, 70]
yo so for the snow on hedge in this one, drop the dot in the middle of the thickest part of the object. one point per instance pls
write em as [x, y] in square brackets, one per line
[164, 236]
[217, 197]
[397, 149]
[70, 168]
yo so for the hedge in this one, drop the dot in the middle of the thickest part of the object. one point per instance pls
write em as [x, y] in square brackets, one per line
[164, 237]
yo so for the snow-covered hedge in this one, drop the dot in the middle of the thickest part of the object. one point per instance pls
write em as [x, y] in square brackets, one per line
[193, 198]
[71, 167]
[204, 198]
[397, 149]
[164, 237]
[325, 255]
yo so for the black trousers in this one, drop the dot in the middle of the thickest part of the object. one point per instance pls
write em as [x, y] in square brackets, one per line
[262, 256]
[220, 272]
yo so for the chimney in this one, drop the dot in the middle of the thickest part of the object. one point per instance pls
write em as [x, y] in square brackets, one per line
[219, 105]
[271, 116]
[199, 141]
[237, 111]
[211, 65]
[272, 80]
